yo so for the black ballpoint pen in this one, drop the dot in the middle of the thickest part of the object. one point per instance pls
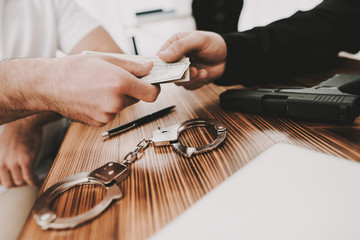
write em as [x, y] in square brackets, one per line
[137, 122]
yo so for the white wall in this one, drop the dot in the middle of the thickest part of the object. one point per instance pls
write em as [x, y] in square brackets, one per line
[262, 12]
[118, 17]
[109, 14]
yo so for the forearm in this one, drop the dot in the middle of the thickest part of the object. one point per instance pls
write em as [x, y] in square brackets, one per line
[33, 122]
[98, 40]
[41, 119]
[22, 85]
[305, 42]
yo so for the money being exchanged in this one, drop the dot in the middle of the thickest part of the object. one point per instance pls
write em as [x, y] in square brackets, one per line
[162, 72]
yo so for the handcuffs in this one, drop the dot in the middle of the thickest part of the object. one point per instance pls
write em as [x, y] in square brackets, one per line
[111, 174]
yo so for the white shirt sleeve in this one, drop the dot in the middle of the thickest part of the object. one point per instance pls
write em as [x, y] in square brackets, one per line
[74, 24]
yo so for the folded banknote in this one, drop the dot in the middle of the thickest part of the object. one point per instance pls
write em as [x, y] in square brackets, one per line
[162, 72]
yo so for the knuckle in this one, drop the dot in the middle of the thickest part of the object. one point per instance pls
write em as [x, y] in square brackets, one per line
[119, 85]
[106, 118]
[178, 45]
[97, 123]
[94, 122]
[3, 165]
[12, 164]
[122, 85]
[175, 37]
[180, 35]
[110, 108]
[25, 162]
[27, 175]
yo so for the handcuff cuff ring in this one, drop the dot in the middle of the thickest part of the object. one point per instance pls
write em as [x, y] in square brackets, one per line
[109, 175]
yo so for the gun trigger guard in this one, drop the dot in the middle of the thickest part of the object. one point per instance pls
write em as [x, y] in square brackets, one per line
[170, 136]
[106, 176]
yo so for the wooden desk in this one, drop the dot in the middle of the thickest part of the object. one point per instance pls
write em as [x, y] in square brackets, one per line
[162, 183]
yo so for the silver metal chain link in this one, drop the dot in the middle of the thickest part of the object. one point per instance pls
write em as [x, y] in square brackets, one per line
[138, 152]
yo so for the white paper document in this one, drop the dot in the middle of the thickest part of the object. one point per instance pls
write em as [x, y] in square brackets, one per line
[286, 193]
[162, 72]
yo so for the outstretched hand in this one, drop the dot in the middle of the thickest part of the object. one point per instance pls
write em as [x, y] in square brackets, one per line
[207, 52]
[93, 89]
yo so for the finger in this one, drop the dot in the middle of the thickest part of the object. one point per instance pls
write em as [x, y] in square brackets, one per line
[122, 102]
[203, 75]
[131, 85]
[28, 175]
[138, 89]
[16, 175]
[136, 68]
[144, 91]
[128, 101]
[5, 178]
[194, 72]
[173, 39]
[109, 115]
[199, 81]
[181, 47]
[139, 69]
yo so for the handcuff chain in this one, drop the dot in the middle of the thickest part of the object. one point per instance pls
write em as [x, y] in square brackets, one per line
[138, 152]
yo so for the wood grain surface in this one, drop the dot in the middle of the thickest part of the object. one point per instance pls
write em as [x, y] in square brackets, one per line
[162, 183]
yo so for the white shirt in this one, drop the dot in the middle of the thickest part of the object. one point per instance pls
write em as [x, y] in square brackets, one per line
[38, 28]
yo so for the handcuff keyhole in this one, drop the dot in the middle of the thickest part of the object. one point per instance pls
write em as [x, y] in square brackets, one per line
[197, 136]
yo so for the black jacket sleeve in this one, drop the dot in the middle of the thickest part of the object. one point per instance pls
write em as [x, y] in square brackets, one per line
[301, 43]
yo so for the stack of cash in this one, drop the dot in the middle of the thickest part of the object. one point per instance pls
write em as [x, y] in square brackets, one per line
[162, 72]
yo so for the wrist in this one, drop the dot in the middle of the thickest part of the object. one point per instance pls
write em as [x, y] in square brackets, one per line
[38, 84]
[23, 79]
[24, 125]
[34, 122]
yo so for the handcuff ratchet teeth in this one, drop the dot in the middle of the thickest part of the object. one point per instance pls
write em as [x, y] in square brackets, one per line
[111, 174]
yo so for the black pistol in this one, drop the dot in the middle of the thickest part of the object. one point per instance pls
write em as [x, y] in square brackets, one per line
[336, 100]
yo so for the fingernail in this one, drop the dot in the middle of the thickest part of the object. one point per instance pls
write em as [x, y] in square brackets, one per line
[166, 53]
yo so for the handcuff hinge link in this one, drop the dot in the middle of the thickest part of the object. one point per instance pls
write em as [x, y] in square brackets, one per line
[138, 152]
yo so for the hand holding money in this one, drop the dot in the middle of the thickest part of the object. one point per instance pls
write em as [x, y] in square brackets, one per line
[162, 72]
[208, 54]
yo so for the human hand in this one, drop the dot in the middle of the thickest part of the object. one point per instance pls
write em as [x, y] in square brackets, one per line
[20, 144]
[93, 89]
[207, 52]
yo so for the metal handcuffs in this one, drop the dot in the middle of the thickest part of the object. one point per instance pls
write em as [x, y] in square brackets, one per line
[109, 175]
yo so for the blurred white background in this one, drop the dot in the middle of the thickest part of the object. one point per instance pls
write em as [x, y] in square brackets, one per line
[119, 18]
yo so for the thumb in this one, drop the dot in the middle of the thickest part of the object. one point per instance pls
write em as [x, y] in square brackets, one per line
[136, 68]
[168, 55]
[139, 69]
[177, 47]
